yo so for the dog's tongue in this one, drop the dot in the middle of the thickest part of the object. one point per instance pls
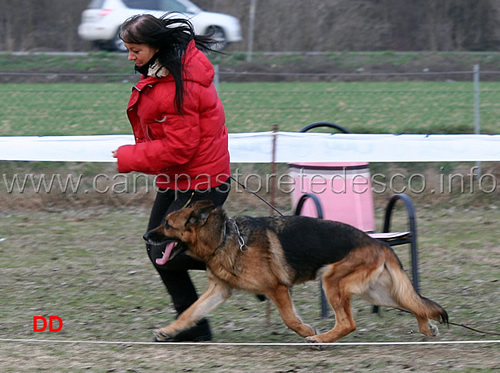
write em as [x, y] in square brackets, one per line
[166, 254]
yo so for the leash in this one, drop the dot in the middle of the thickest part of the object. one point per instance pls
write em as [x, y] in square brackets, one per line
[188, 201]
[455, 324]
[257, 195]
[473, 329]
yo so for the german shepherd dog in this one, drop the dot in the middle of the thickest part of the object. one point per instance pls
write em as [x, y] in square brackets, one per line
[268, 255]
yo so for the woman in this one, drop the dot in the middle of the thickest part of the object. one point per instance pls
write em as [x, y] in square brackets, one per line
[180, 133]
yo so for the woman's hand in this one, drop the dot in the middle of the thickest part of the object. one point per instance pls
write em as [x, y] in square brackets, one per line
[115, 153]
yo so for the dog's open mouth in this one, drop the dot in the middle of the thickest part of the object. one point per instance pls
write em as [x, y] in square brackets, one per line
[168, 253]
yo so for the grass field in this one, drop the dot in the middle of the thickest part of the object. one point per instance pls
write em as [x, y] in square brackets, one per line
[363, 107]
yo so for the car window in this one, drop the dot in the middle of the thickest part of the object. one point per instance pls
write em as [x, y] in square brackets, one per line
[173, 6]
[96, 4]
[167, 5]
[142, 4]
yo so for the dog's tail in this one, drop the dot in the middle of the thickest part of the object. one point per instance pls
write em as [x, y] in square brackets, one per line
[405, 294]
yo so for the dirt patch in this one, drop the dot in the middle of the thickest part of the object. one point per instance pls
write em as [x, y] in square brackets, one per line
[129, 358]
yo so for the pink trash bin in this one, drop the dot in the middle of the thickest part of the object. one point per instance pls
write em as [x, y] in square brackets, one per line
[343, 189]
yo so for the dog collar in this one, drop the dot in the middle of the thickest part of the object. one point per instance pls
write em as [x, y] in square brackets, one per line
[241, 240]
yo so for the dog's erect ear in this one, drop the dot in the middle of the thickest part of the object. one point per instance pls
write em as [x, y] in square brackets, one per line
[201, 212]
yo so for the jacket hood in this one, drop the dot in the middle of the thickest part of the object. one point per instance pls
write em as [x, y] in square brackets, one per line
[197, 69]
[197, 66]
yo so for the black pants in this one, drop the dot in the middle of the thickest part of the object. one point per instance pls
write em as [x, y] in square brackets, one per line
[174, 273]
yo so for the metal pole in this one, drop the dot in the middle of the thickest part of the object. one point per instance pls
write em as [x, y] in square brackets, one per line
[251, 28]
[273, 194]
[477, 108]
[216, 78]
[275, 128]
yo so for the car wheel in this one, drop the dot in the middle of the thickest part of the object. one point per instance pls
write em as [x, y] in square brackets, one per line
[97, 44]
[118, 44]
[219, 36]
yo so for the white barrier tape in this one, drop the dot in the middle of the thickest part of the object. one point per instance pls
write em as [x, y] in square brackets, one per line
[256, 344]
[257, 147]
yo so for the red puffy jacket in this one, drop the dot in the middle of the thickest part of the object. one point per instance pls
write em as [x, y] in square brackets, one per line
[188, 151]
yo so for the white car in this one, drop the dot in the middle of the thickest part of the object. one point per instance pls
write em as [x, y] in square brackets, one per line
[102, 19]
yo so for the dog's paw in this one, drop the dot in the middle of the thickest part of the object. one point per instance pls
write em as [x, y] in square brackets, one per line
[313, 341]
[309, 331]
[160, 336]
[434, 330]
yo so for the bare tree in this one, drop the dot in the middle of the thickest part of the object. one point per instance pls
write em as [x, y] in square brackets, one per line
[291, 25]
[41, 24]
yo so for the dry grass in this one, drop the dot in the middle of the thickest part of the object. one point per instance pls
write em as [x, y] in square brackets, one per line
[89, 267]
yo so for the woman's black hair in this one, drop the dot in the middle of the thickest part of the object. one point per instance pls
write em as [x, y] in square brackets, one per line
[171, 36]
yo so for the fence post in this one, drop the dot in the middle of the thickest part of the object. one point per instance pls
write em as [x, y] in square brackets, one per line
[251, 28]
[477, 108]
[216, 78]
